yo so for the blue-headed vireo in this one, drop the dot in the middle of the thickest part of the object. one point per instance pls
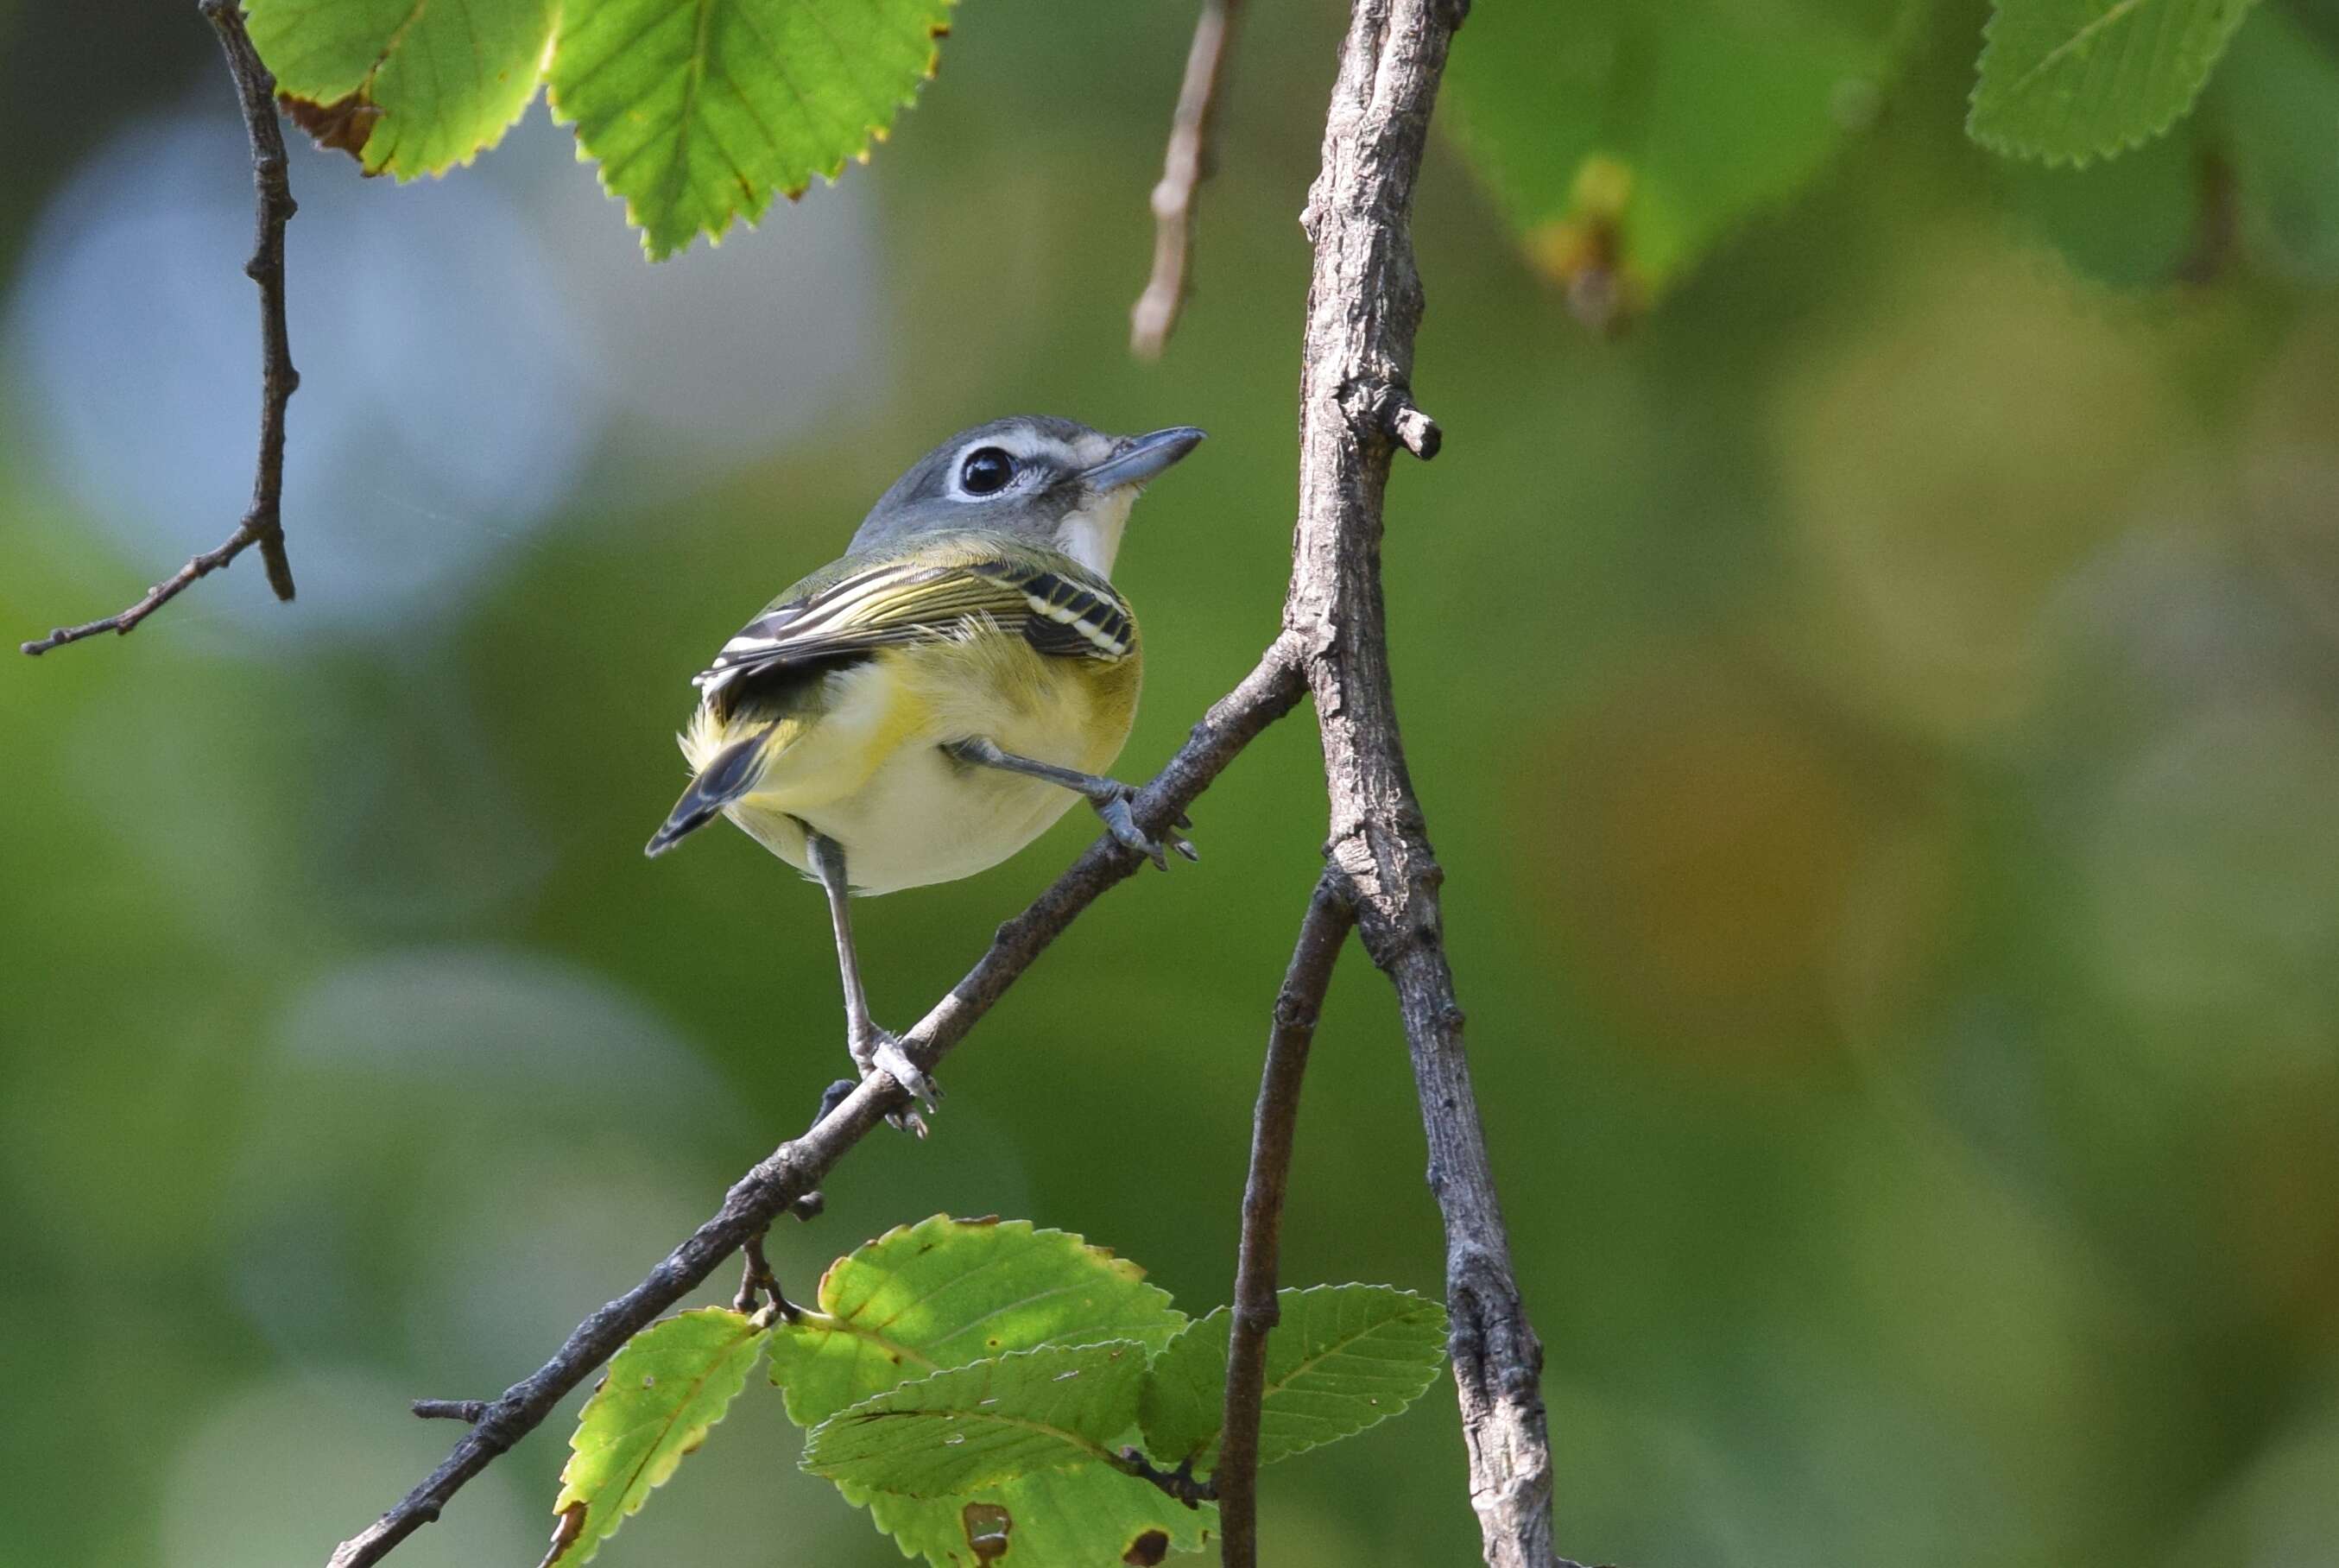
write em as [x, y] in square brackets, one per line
[924, 707]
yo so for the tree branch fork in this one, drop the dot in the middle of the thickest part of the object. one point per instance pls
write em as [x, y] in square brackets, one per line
[788, 1180]
[1381, 881]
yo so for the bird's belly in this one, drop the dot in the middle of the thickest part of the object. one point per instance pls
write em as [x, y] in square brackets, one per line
[924, 817]
[920, 815]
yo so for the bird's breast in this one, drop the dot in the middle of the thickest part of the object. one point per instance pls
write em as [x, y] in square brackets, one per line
[908, 814]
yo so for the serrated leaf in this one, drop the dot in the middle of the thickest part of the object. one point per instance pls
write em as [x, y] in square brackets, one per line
[411, 86]
[672, 1381]
[2277, 103]
[700, 110]
[1343, 1358]
[1625, 140]
[944, 1292]
[1087, 1517]
[979, 1425]
[2068, 81]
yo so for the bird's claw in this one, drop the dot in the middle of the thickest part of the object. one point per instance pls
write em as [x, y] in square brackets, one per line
[883, 1052]
[1121, 822]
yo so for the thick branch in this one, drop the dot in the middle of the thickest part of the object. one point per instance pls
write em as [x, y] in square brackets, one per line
[1271, 689]
[1356, 410]
[1189, 160]
[1322, 934]
[264, 523]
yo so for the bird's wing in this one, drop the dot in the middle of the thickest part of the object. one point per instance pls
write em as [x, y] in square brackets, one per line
[1060, 609]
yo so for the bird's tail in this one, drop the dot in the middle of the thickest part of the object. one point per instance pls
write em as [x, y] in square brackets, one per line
[730, 773]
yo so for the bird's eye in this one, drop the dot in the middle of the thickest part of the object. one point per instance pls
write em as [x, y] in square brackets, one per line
[986, 471]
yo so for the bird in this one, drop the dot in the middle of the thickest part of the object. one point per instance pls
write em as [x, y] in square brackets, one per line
[923, 708]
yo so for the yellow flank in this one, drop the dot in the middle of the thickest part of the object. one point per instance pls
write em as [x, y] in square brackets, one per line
[857, 756]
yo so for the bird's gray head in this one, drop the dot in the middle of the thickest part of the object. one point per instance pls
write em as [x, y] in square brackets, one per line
[1051, 482]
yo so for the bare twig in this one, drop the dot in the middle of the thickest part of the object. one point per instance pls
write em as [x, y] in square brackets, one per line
[755, 1277]
[1322, 934]
[1179, 1484]
[1356, 410]
[796, 1168]
[264, 523]
[1189, 160]
[467, 1411]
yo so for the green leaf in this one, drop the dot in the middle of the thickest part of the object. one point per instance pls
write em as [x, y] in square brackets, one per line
[1087, 1517]
[2067, 81]
[979, 1425]
[2133, 222]
[671, 1382]
[1344, 1358]
[699, 110]
[944, 1292]
[1625, 140]
[411, 86]
[2277, 99]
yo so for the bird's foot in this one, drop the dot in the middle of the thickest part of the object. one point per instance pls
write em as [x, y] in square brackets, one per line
[1111, 798]
[880, 1051]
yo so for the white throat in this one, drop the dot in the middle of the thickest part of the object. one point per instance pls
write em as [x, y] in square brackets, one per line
[1093, 536]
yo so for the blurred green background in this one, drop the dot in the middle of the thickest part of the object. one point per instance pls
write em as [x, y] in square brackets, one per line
[1880, 718]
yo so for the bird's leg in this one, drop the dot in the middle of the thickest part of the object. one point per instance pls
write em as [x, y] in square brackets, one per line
[873, 1050]
[1110, 797]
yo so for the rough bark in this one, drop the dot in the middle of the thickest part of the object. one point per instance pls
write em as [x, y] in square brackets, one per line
[1355, 411]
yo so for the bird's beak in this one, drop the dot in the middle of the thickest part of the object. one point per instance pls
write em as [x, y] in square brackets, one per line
[1140, 457]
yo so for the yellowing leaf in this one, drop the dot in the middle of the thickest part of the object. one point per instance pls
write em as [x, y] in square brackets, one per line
[411, 86]
[671, 1383]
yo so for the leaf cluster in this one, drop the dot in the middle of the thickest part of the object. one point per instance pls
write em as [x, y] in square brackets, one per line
[1626, 141]
[992, 1393]
[696, 110]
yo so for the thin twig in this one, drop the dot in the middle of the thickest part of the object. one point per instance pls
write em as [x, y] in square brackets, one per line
[1322, 934]
[467, 1411]
[264, 523]
[1189, 160]
[1356, 410]
[1271, 690]
[755, 1275]
[1178, 1483]
[756, 1278]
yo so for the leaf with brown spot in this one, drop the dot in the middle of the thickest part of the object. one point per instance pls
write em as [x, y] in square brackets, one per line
[671, 1383]
[342, 125]
[1087, 1517]
[411, 86]
[1148, 1550]
[566, 1526]
[987, 1527]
